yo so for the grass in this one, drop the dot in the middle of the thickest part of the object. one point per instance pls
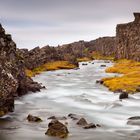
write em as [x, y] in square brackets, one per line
[56, 65]
[84, 59]
[99, 56]
[129, 81]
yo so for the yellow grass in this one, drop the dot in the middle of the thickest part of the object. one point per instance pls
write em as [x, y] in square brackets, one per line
[56, 65]
[99, 56]
[129, 81]
[29, 73]
[84, 59]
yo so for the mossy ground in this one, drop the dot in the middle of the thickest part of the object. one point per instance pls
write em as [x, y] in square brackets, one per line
[84, 59]
[56, 65]
[99, 56]
[129, 81]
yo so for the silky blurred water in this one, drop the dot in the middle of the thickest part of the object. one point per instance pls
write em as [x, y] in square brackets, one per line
[74, 91]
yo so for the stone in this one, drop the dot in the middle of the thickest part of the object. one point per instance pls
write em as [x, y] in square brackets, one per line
[89, 126]
[134, 118]
[99, 81]
[84, 64]
[57, 118]
[32, 118]
[123, 95]
[73, 116]
[57, 129]
[103, 66]
[82, 122]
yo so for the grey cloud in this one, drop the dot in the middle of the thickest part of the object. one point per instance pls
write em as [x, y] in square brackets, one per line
[58, 21]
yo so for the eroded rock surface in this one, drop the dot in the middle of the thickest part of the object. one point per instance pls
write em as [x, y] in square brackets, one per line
[128, 39]
[13, 81]
[57, 129]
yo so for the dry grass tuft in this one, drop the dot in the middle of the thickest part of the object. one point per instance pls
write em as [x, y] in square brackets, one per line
[129, 81]
[56, 65]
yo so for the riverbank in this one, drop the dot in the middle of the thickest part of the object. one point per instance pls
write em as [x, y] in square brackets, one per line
[73, 91]
[129, 81]
[50, 66]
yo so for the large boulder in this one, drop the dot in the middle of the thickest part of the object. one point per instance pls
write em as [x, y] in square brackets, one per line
[32, 118]
[82, 122]
[57, 129]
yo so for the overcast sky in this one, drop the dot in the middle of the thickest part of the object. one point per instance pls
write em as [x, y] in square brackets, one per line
[40, 22]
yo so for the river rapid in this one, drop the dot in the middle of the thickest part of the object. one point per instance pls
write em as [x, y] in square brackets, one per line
[74, 91]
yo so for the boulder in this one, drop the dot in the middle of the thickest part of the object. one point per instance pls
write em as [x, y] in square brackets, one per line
[57, 129]
[32, 118]
[99, 81]
[82, 122]
[57, 118]
[73, 116]
[89, 126]
[103, 66]
[84, 64]
[123, 95]
[134, 118]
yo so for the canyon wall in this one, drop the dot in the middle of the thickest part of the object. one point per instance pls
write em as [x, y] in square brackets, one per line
[103, 45]
[68, 52]
[128, 39]
[13, 81]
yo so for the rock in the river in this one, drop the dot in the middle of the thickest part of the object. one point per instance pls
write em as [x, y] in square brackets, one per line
[103, 65]
[89, 126]
[84, 64]
[99, 81]
[123, 95]
[82, 122]
[134, 122]
[57, 129]
[57, 118]
[134, 118]
[73, 116]
[32, 118]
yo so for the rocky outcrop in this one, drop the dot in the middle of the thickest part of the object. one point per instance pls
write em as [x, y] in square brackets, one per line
[128, 39]
[57, 129]
[104, 45]
[39, 56]
[32, 118]
[68, 52]
[13, 80]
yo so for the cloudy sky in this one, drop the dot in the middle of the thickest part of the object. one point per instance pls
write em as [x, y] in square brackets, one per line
[40, 22]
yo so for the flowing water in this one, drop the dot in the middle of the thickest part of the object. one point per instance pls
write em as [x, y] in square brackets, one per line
[74, 91]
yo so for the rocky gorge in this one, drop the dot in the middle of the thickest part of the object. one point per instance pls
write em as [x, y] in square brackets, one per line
[15, 81]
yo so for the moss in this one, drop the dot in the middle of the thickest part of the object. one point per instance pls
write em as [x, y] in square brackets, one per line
[56, 65]
[2, 113]
[129, 81]
[29, 73]
[84, 59]
[99, 56]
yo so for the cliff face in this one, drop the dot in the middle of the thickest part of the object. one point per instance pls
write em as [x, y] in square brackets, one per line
[38, 56]
[13, 81]
[104, 45]
[68, 52]
[128, 39]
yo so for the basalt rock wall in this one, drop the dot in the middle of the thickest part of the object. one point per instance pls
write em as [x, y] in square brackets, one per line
[13, 81]
[128, 39]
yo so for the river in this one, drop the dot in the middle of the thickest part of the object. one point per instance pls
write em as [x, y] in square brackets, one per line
[74, 91]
